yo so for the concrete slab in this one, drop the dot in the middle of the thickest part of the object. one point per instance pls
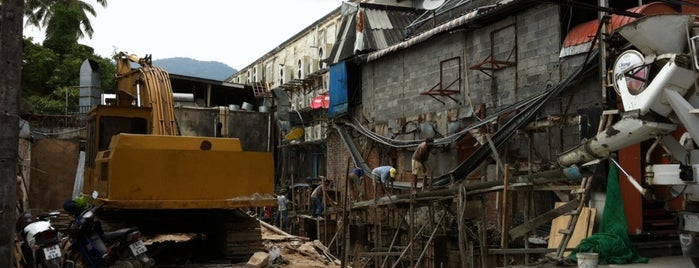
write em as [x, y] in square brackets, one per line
[668, 261]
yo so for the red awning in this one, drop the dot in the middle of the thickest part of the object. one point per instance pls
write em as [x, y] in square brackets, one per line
[584, 33]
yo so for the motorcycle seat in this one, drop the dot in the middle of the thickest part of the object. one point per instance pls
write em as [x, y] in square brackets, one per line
[114, 236]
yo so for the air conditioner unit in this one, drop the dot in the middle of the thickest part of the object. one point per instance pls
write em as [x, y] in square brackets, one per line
[318, 132]
[313, 66]
[269, 73]
[309, 99]
[308, 133]
[323, 131]
[292, 100]
[300, 100]
[327, 48]
[258, 73]
[295, 100]
[288, 74]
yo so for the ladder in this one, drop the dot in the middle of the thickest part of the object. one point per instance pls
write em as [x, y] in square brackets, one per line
[583, 195]
[583, 192]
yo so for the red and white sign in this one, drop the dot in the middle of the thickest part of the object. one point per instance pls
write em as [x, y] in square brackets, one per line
[320, 101]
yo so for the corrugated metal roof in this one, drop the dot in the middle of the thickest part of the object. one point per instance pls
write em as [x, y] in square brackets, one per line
[447, 26]
[585, 32]
[378, 19]
[453, 14]
[382, 26]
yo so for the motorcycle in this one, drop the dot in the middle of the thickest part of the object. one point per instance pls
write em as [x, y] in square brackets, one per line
[40, 241]
[91, 246]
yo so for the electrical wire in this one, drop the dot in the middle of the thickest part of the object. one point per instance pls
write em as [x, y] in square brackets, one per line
[395, 143]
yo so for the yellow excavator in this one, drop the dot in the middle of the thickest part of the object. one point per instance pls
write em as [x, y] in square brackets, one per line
[145, 174]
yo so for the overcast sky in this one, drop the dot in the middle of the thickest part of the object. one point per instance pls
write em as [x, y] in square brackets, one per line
[234, 32]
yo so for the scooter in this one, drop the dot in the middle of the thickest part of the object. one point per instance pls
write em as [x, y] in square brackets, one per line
[40, 241]
[91, 246]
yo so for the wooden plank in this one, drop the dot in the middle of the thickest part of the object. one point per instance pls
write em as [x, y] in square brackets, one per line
[522, 229]
[583, 228]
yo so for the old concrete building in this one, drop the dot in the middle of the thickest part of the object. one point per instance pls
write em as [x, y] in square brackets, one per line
[504, 87]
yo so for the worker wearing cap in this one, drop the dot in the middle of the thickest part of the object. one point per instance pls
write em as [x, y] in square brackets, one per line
[384, 175]
[419, 162]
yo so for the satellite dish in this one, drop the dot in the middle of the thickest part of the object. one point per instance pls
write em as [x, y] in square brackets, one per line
[432, 4]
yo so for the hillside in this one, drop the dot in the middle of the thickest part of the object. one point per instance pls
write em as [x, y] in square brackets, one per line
[190, 67]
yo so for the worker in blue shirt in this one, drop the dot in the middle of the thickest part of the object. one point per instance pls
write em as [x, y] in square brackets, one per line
[383, 175]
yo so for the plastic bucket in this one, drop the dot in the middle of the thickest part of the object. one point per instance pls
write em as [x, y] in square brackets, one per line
[587, 260]
[247, 106]
[233, 107]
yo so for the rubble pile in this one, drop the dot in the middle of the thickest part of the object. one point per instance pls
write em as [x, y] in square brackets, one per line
[284, 250]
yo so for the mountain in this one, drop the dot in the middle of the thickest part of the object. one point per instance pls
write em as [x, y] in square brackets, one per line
[190, 67]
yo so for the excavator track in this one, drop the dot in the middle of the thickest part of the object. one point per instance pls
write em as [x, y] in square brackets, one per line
[229, 234]
[241, 236]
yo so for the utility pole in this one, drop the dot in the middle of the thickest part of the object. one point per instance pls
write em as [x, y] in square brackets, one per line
[11, 18]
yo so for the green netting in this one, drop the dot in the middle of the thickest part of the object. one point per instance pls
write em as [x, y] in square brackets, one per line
[612, 242]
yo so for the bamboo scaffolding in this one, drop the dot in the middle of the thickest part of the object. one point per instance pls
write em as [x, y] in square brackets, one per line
[459, 194]
[411, 243]
[424, 249]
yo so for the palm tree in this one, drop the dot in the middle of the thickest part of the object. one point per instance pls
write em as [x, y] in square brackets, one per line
[42, 14]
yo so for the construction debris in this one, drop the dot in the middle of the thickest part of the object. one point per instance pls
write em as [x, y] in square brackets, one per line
[285, 250]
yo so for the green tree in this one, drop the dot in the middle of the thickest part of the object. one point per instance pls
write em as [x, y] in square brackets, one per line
[45, 13]
[60, 101]
[45, 73]
[38, 64]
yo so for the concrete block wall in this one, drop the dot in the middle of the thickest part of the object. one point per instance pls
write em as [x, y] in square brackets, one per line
[391, 85]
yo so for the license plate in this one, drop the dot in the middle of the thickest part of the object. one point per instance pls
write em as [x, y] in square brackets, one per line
[138, 248]
[52, 252]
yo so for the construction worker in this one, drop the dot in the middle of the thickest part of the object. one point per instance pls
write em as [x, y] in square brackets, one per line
[283, 211]
[383, 175]
[354, 180]
[419, 162]
[319, 196]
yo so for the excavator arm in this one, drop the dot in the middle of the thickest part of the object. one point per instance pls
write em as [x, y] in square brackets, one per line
[148, 86]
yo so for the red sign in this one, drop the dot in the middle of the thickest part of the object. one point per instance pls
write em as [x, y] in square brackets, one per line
[320, 101]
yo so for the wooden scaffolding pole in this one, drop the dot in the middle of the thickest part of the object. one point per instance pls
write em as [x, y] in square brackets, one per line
[463, 239]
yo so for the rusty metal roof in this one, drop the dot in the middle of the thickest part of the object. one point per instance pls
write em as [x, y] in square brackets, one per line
[585, 32]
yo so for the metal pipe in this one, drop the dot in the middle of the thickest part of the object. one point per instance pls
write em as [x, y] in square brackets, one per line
[644, 192]
[628, 131]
